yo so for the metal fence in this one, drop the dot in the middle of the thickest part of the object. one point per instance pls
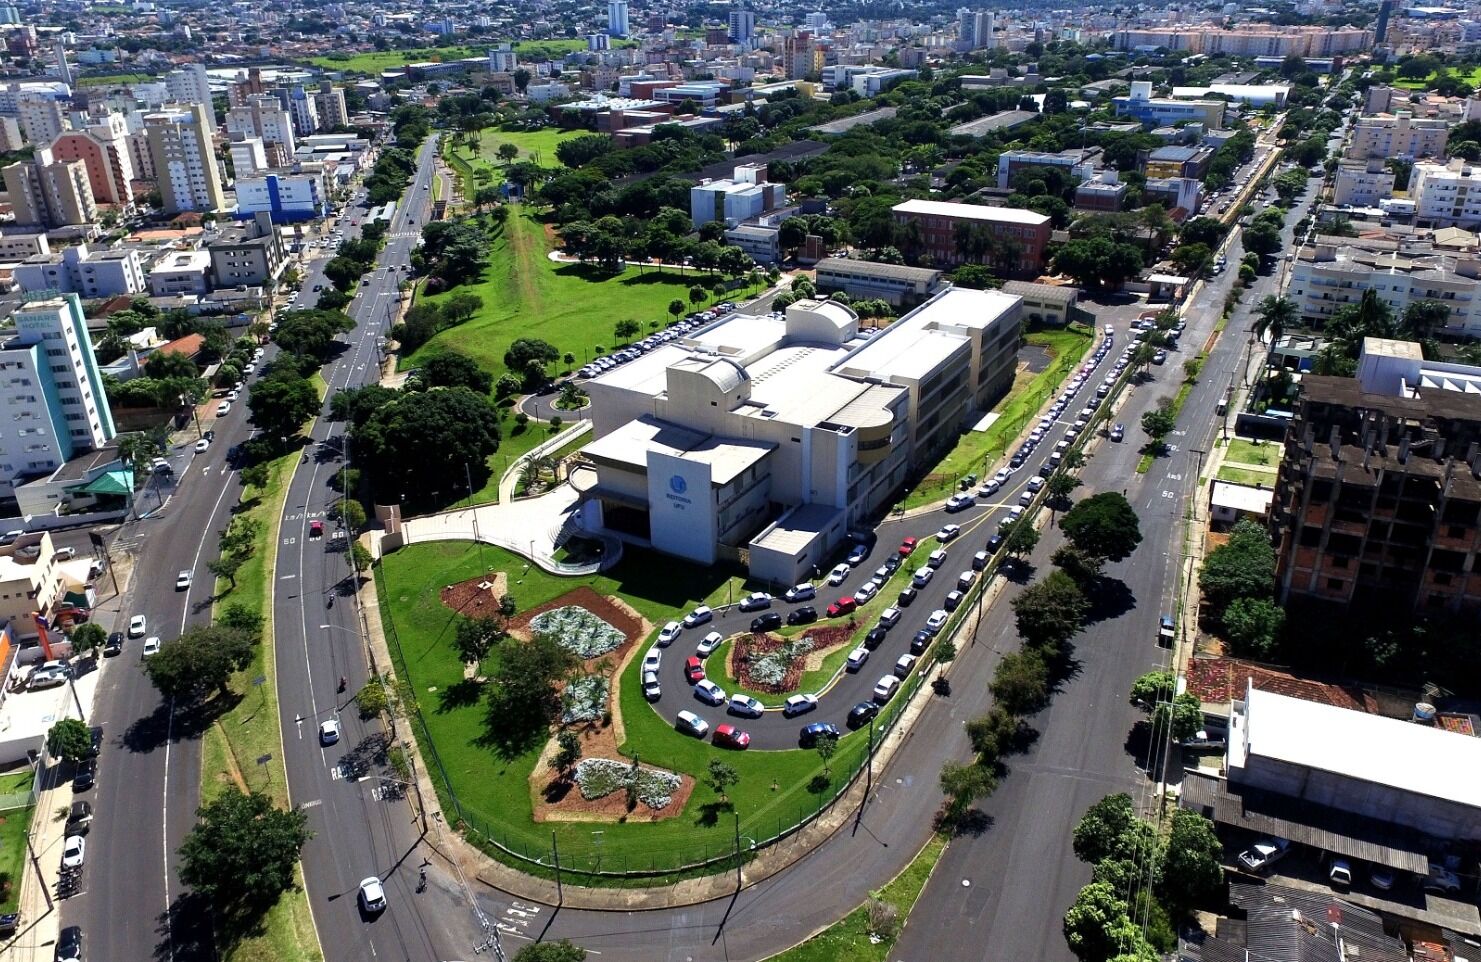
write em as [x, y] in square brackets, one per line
[14, 800]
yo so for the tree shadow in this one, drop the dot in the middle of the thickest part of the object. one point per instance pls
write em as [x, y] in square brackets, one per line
[556, 790]
[151, 731]
[973, 823]
[1016, 570]
[365, 757]
[185, 930]
[819, 783]
[1138, 743]
[709, 814]
[1109, 598]
[461, 694]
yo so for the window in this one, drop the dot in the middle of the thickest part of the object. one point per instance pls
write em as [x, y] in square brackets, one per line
[1335, 584]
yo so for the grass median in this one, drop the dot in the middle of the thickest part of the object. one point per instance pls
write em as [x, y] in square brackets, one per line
[15, 825]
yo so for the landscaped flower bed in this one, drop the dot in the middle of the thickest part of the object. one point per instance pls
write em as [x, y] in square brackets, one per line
[578, 630]
[600, 777]
[584, 700]
[764, 663]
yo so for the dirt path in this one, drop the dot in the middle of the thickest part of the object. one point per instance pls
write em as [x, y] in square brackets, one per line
[526, 259]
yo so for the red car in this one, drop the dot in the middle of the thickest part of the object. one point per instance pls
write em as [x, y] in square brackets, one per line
[316, 529]
[694, 669]
[842, 607]
[907, 547]
[728, 736]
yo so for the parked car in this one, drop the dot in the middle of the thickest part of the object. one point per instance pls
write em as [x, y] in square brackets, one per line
[923, 577]
[74, 849]
[937, 558]
[948, 532]
[1118, 433]
[959, 502]
[907, 547]
[745, 706]
[652, 659]
[885, 688]
[920, 642]
[904, 664]
[151, 645]
[668, 633]
[69, 944]
[858, 553]
[811, 733]
[842, 606]
[804, 615]
[1264, 853]
[802, 592]
[652, 690]
[936, 621]
[694, 670]
[708, 644]
[979, 560]
[85, 775]
[79, 818]
[862, 714]
[709, 692]
[799, 705]
[691, 724]
[875, 637]
[856, 658]
[1339, 873]
[698, 616]
[907, 596]
[1443, 877]
[953, 600]
[838, 574]
[137, 626]
[755, 601]
[52, 674]
[728, 736]
[770, 621]
[889, 618]
[866, 591]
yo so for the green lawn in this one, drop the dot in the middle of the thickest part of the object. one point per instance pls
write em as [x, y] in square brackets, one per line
[847, 940]
[1246, 476]
[573, 306]
[17, 782]
[102, 80]
[14, 825]
[534, 145]
[974, 450]
[1253, 452]
[773, 791]
[1472, 77]
[376, 61]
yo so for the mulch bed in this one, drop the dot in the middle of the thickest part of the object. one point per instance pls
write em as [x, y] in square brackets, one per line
[621, 618]
[557, 801]
[749, 647]
[472, 599]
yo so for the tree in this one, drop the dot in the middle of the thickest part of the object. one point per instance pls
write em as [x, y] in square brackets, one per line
[1049, 612]
[199, 661]
[1252, 625]
[1061, 483]
[1242, 567]
[1158, 424]
[243, 852]
[1020, 539]
[697, 295]
[826, 746]
[1021, 682]
[1080, 565]
[409, 444]
[1422, 319]
[527, 357]
[163, 365]
[1098, 262]
[475, 637]
[360, 557]
[1191, 870]
[1263, 238]
[1184, 713]
[568, 753]
[562, 951]
[720, 777]
[1207, 231]
[282, 402]
[70, 740]
[1272, 316]
[974, 276]
[1104, 525]
[676, 307]
[1192, 259]
[1098, 928]
[523, 697]
[508, 152]
[1151, 688]
[1108, 829]
[451, 369]
[626, 330]
[87, 638]
[963, 785]
[256, 475]
[310, 333]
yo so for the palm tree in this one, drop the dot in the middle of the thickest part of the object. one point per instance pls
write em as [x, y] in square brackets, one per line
[1272, 316]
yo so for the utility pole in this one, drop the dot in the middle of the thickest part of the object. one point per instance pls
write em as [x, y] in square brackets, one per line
[555, 854]
[735, 813]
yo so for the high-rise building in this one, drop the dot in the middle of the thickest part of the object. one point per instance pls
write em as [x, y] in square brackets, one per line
[103, 150]
[9, 13]
[247, 157]
[742, 25]
[617, 18]
[330, 101]
[300, 107]
[244, 87]
[982, 28]
[41, 117]
[1380, 28]
[48, 192]
[265, 118]
[191, 84]
[503, 59]
[51, 392]
[64, 70]
[816, 22]
[184, 158]
[966, 28]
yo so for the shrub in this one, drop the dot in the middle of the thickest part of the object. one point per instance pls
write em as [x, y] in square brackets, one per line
[600, 777]
[578, 631]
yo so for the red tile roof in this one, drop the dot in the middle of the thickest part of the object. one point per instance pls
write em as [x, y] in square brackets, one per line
[1220, 680]
[190, 345]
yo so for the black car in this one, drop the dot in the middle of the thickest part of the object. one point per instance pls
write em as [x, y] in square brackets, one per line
[767, 622]
[892, 563]
[805, 615]
[994, 543]
[907, 596]
[811, 733]
[79, 818]
[920, 642]
[114, 645]
[875, 636]
[69, 944]
[96, 747]
[1015, 462]
[862, 714]
[86, 775]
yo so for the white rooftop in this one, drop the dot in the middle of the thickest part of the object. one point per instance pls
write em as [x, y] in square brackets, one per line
[997, 215]
[917, 342]
[1241, 497]
[631, 443]
[1370, 748]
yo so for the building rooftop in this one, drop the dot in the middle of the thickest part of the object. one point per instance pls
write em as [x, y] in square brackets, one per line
[1042, 292]
[917, 342]
[1370, 748]
[845, 124]
[630, 444]
[862, 268]
[182, 261]
[997, 215]
[1003, 120]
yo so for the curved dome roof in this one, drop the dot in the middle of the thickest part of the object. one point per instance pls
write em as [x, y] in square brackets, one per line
[725, 374]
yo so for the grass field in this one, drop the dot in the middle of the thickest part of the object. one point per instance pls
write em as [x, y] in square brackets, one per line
[1253, 452]
[103, 80]
[773, 791]
[250, 729]
[14, 825]
[847, 940]
[534, 145]
[17, 782]
[573, 306]
[1472, 77]
[376, 61]
[1246, 476]
[975, 449]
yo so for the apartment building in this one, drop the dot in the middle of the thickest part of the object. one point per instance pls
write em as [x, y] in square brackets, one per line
[289, 196]
[268, 120]
[1401, 135]
[1446, 195]
[50, 193]
[51, 392]
[191, 84]
[82, 270]
[18, 245]
[248, 156]
[301, 107]
[1362, 183]
[102, 149]
[248, 254]
[184, 158]
[330, 102]
[1248, 41]
[1332, 272]
[41, 118]
[181, 272]
[1006, 237]
[1379, 498]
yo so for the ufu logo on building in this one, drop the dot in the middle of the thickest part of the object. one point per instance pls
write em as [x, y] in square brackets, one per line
[677, 487]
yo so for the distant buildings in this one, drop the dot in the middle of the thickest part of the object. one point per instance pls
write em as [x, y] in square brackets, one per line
[41, 118]
[747, 195]
[1158, 111]
[894, 283]
[951, 234]
[503, 59]
[1249, 41]
[263, 117]
[617, 18]
[742, 25]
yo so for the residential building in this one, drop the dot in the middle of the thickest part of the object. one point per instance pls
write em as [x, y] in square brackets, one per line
[82, 270]
[267, 119]
[249, 85]
[817, 22]
[742, 25]
[102, 148]
[11, 138]
[42, 118]
[301, 108]
[288, 195]
[1401, 136]
[1248, 41]
[1446, 195]
[250, 253]
[51, 393]
[64, 69]
[895, 283]
[181, 272]
[1006, 237]
[774, 436]
[1159, 111]
[330, 103]
[248, 157]
[31, 582]
[617, 18]
[503, 59]
[17, 246]
[191, 84]
[1077, 164]
[1362, 184]
[745, 196]
[1378, 499]
[1332, 272]
[184, 158]
[48, 192]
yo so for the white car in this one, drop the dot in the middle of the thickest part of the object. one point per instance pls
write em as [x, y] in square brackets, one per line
[182, 580]
[990, 488]
[838, 574]
[698, 616]
[668, 633]
[802, 592]
[959, 502]
[799, 705]
[151, 645]
[857, 657]
[923, 577]
[885, 688]
[948, 532]
[652, 690]
[73, 850]
[1002, 476]
[709, 692]
[137, 626]
[1035, 483]
[889, 618]
[865, 591]
[202, 446]
[745, 705]
[937, 621]
[708, 644]
[232, 395]
[652, 659]
[372, 895]
[755, 601]
[691, 724]
[903, 665]
[329, 732]
[223, 409]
